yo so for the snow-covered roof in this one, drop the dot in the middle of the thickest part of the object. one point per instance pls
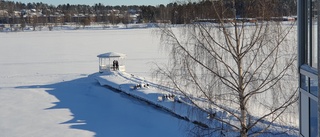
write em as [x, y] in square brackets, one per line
[112, 55]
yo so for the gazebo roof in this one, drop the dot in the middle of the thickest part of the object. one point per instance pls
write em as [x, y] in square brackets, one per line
[112, 55]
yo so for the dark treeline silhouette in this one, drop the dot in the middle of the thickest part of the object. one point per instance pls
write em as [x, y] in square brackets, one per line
[175, 13]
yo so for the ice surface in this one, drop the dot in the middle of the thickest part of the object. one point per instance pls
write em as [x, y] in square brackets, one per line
[45, 89]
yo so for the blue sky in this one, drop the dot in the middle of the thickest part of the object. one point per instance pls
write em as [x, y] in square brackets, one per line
[105, 2]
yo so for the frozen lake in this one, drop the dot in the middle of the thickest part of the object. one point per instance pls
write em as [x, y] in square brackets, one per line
[65, 52]
[45, 91]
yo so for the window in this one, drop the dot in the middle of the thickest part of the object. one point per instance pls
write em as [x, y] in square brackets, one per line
[312, 33]
[304, 82]
[308, 62]
[313, 118]
[314, 87]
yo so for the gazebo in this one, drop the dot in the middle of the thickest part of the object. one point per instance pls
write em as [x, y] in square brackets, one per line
[111, 61]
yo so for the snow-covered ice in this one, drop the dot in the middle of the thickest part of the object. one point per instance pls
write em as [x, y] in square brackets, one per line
[48, 85]
[45, 89]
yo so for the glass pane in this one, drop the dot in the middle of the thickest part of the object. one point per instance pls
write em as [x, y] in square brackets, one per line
[314, 35]
[313, 118]
[314, 87]
[304, 115]
[312, 48]
[304, 82]
[309, 33]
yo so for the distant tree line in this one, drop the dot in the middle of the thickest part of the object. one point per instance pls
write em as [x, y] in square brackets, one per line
[175, 13]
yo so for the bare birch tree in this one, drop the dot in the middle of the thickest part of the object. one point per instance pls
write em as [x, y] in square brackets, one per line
[243, 68]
